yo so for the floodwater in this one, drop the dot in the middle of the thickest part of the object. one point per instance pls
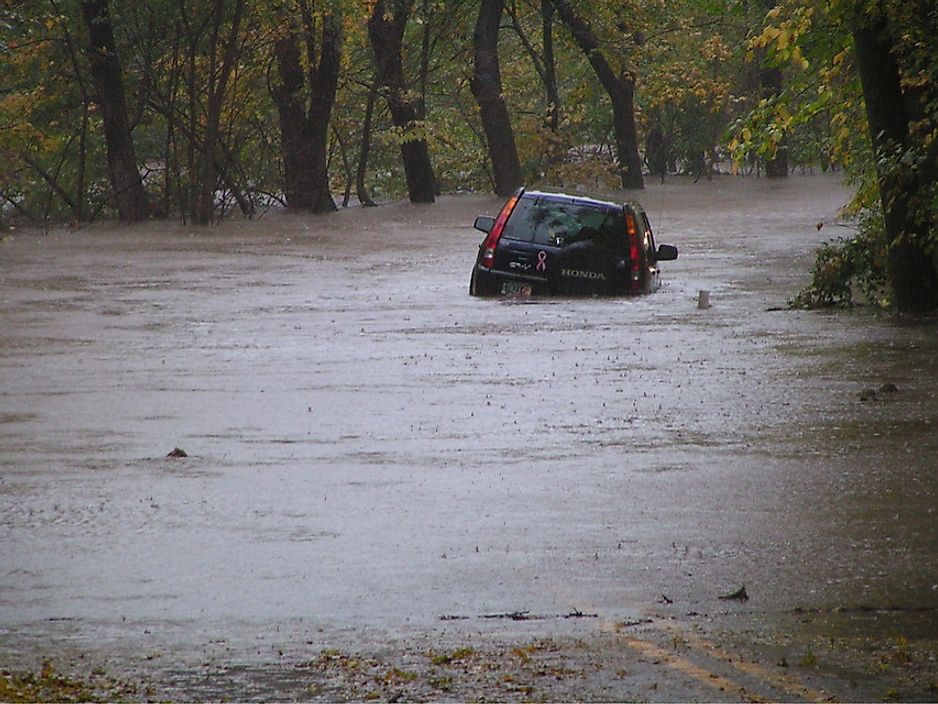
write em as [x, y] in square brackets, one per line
[376, 457]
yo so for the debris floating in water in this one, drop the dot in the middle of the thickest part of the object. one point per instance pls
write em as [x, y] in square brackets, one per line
[739, 595]
[873, 394]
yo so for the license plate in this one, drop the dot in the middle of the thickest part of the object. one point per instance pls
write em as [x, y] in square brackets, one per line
[515, 288]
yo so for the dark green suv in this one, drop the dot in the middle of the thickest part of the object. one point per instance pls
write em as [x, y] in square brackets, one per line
[555, 243]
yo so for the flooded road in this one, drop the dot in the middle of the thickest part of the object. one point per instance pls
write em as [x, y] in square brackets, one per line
[376, 458]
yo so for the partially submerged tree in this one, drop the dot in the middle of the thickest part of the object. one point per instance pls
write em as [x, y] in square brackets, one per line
[693, 80]
[230, 102]
[487, 88]
[224, 37]
[870, 69]
[772, 81]
[386, 33]
[619, 85]
[107, 76]
[304, 102]
[905, 166]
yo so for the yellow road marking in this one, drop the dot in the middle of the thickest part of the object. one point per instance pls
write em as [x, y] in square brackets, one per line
[687, 667]
[784, 681]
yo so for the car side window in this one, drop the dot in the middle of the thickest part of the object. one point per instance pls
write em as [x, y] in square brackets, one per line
[519, 225]
[649, 242]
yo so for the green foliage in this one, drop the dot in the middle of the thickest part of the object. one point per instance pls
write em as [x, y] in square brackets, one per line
[847, 271]
[818, 106]
[686, 57]
[46, 115]
[694, 82]
[696, 93]
[821, 114]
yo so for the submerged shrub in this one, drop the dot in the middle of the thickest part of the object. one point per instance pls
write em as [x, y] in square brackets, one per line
[849, 270]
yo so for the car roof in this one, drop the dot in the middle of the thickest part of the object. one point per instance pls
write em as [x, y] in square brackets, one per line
[593, 199]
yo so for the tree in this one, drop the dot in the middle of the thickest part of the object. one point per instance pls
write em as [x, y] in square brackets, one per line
[220, 70]
[869, 68]
[235, 103]
[693, 77]
[911, 262]
[550, 66]
[386, 33]
[304, 121]
[486, 87]
[772, 81]
[620, 86]
[360, 190]
[545, 62]
[109, 91]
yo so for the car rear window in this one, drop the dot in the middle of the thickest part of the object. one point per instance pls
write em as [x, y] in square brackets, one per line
[556, 223]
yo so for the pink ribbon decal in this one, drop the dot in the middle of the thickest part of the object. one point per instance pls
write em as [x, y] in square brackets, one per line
[541, 261]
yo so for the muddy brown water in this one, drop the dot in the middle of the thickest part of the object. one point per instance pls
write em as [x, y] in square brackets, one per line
[374, 455]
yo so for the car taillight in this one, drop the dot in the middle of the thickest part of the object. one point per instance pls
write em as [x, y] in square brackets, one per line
[634, 261]
[491, 240]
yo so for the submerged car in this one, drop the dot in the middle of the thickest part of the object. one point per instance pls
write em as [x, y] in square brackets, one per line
[544, 243]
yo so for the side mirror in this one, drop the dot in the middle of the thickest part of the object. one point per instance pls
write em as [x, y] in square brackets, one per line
[485, 223]
[666, 252]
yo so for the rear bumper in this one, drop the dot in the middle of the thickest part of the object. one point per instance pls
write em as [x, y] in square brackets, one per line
[489, 282]
[486, 282]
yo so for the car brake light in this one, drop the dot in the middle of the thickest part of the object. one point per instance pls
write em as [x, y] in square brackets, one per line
[636, 269]
[491, 240]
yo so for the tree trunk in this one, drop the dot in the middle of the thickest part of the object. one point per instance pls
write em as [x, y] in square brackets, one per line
[323, 84]
[656, 150]
[295, 143]
[550, 66]
[217, 90]
[86, 103]
[360, 189]
[912, 272]
[106, 76]
[193, 116]
[304, 132]
[621, 90]
[772, 81]
[486, 86]
[423, 78]
[386, 34]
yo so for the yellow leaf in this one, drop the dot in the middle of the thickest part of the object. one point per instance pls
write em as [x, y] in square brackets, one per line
[783, 38]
